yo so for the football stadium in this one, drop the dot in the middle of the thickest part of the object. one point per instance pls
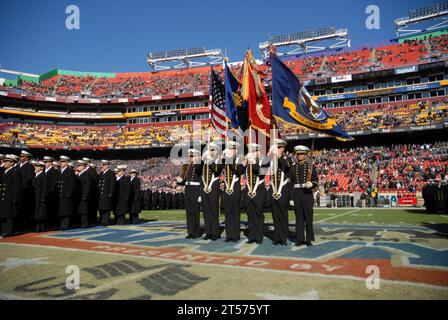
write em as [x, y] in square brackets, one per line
[313, 168]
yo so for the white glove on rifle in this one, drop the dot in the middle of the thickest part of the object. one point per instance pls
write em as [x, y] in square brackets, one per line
[251, 158]
[178, 179]
[308, 185]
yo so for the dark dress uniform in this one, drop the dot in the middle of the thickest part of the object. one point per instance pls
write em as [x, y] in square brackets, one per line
[136, 201]
[106, 191]
[233, 170]
[432, 197]
[27, 203]
[303, 200]
[10, 196]
[52, 176]
[67, 196]
[426, 195]
[192, 181]
[210, 199]
[93, 205]
[255, 200]
[123, 197]
[85, 197]
[441, 197]
[162, 200]
[40, 184]
[148, 196]
[279, 197]
[154, 200]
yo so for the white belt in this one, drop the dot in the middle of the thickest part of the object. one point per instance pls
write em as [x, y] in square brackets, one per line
[299, 185]
[192, 183]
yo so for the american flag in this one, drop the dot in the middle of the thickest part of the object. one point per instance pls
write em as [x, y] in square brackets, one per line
[218, 104]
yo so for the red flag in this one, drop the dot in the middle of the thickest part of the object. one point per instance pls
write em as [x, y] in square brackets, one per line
[255, 96]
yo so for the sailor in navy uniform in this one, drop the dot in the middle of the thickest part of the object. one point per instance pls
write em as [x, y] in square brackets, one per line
[191, 178]
[279, 191]
[106, 192]
[303, 195]
[93, 205]
[52, 176]
[85, 193]
[27, 205]
[10, 195]
[233, 169]
[124, 191]
[136, 199]
[255, 193]
[67, 192]
[40, 183]
[210, 191]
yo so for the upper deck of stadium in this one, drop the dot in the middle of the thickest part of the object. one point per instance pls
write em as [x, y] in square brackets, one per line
[65, 86]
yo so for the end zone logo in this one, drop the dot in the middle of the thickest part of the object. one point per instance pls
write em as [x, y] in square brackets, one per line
[341, 251]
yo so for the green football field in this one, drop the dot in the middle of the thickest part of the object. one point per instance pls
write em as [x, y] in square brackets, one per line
[154, 261]
[336, 215]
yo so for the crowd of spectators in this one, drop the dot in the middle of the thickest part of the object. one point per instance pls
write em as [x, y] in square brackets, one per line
[382, 116]
[197, 79]
[404, 167]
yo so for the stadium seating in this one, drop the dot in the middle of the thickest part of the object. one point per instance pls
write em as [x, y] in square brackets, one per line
[197, 79]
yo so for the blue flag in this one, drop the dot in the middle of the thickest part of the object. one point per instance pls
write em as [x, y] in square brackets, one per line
[236, 110]
[292, 103]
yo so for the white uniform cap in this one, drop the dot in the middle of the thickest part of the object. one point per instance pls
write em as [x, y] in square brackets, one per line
[64, 158]
[25, 153]
[254, 146]
[301, 149]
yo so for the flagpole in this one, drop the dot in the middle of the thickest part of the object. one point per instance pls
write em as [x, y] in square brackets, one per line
[310, 172]
[275, 164]
[250, 164]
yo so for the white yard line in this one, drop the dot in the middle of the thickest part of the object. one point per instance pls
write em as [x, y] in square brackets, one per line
[339, 215]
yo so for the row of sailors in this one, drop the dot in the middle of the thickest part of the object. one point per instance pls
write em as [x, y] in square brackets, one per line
[435, 195]
[291, 179]
[40, 194]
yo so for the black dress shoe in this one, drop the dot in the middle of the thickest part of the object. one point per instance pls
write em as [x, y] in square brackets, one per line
[227, 240]
[259, 242]
[309, 244]
[206, 238]
[275, 243]
[298, 244]
[283, 243]
[250, 241]
[189, 236]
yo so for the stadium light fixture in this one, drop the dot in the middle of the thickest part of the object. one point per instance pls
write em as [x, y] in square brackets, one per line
[436, 15]
[184, 58]
[326, 38]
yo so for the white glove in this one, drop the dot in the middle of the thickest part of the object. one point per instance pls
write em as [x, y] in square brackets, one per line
[199, 199]
[178, 179]
[251, 158]
[227, 153]
[291, 203]
[273, 150]
[308, 185]
[205, 155]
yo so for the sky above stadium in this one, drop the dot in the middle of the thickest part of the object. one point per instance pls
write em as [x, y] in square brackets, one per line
[115, 36]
